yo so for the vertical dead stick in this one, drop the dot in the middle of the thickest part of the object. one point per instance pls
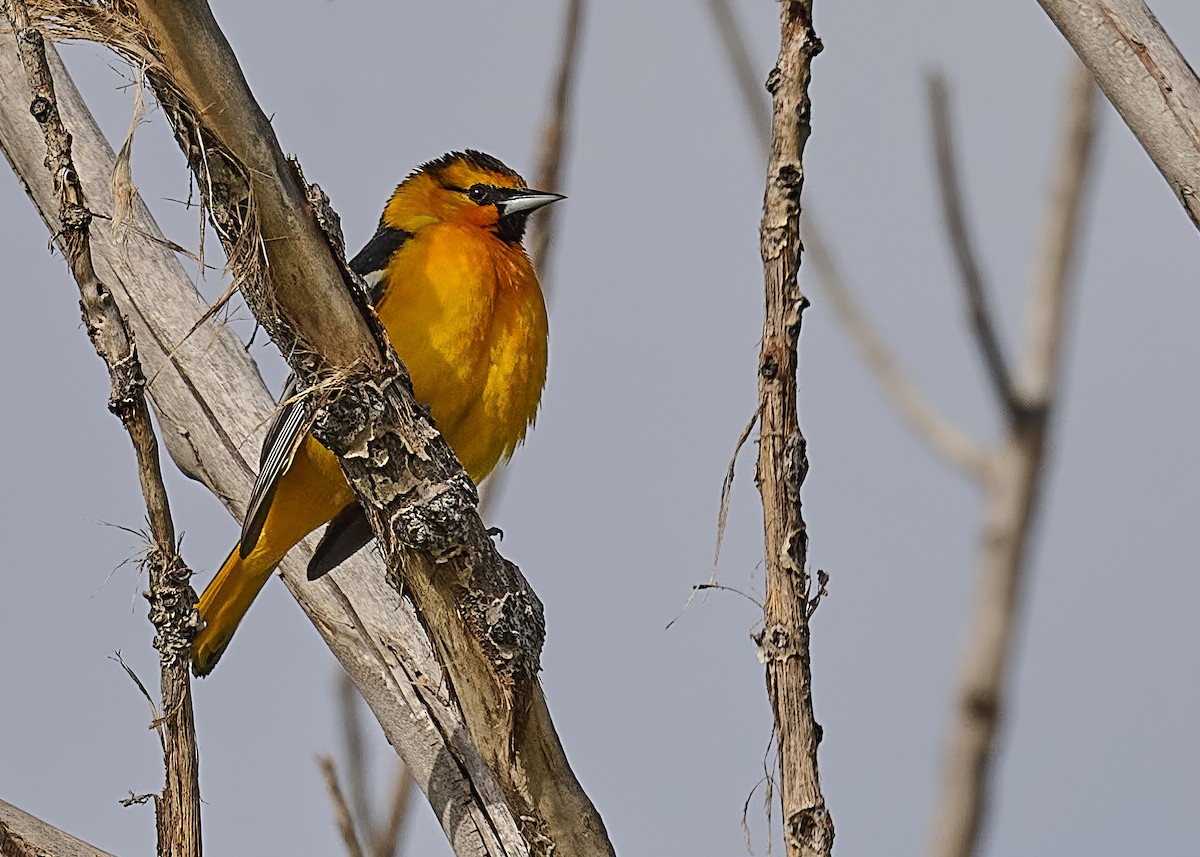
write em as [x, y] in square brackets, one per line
[172, 601]
[783, 642]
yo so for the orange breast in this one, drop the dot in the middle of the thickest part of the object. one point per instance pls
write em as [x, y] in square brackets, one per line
[466, 315]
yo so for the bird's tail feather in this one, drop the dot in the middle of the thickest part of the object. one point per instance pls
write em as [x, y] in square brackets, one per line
[224, 602]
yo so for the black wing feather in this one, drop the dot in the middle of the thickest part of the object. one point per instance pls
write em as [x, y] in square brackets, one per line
[290, 425]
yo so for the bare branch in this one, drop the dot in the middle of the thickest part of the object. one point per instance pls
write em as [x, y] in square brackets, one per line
[923, 419]
[1146, 78]
[749, 80]
[171, 597]
[23, 835]
[1012, 491]
[213, 406]
[983, 323]
[783, 642]
[547, 176]
[356, 757]
[386, 840]
[1037, 383]
[944, 438]
[341, 812]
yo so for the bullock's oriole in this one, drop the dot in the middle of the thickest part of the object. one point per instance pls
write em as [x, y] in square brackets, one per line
[463, 308]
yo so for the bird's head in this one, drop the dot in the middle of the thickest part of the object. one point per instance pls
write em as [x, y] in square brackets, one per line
[468, 188]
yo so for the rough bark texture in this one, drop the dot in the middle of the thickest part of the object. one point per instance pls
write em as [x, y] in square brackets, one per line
[783, 642]
[24, 835]
[171, 597]
[484, 619]
[1145, 77]
[213, 408]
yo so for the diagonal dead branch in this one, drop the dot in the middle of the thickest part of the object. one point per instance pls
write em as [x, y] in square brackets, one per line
[1148, 81]
[24, 835]
[983, 323]
[208, 397]
[942, 436]
[341, 811]
[172, 601]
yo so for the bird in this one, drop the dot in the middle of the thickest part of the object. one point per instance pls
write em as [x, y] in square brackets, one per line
[461, 302]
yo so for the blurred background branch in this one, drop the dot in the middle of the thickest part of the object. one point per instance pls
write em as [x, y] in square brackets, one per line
[1010, 474]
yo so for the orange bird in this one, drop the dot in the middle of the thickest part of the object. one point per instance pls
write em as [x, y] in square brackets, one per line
[462, 305]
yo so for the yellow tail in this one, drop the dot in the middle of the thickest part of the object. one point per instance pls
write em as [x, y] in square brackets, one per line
[222, 606]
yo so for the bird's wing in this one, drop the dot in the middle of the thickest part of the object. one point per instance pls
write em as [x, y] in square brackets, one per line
[343, 538]
[372, 260]
[284, 436]
[289, 426]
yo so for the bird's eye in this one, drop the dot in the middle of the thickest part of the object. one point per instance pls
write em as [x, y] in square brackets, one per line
[478, 193]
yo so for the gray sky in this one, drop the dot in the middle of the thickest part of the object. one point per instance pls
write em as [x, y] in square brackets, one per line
[611, 507]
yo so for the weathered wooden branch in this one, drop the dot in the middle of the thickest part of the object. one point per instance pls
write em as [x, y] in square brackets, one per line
[1011, 490]
[172, 601]
[484, 620]
[1146, 78]
[783, 641]
[24, 835]
[213, 408]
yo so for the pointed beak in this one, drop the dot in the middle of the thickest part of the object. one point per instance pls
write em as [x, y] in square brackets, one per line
[526, 200]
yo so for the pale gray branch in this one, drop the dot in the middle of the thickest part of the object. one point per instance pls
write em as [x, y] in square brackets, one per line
[939, 433]
[1011, 491]
[1146, 78]
[983, 323]
[1038, 379]
[213, 408]
[24, 835]
[943, 437]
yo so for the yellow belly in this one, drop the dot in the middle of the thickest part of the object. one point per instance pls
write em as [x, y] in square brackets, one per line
[466, 315]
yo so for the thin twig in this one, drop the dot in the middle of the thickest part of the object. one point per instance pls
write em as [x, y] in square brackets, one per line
[341, 812]
[943, 437]
[954, 211]
[356, 757]
[547, 176]
[749, 81]
[385, 841]
[1011, 499]
[1040, 370]
[172, 601]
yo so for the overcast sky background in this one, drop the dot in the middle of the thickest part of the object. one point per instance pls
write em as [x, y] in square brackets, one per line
[611, 507]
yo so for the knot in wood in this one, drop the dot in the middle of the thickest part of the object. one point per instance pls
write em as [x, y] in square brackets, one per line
[773, 79]
[769, 368]
[436, 520]
[777, 643]
[172, 604]
[74, 217]
[515, 627]
[40, 107]
[128, 384]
